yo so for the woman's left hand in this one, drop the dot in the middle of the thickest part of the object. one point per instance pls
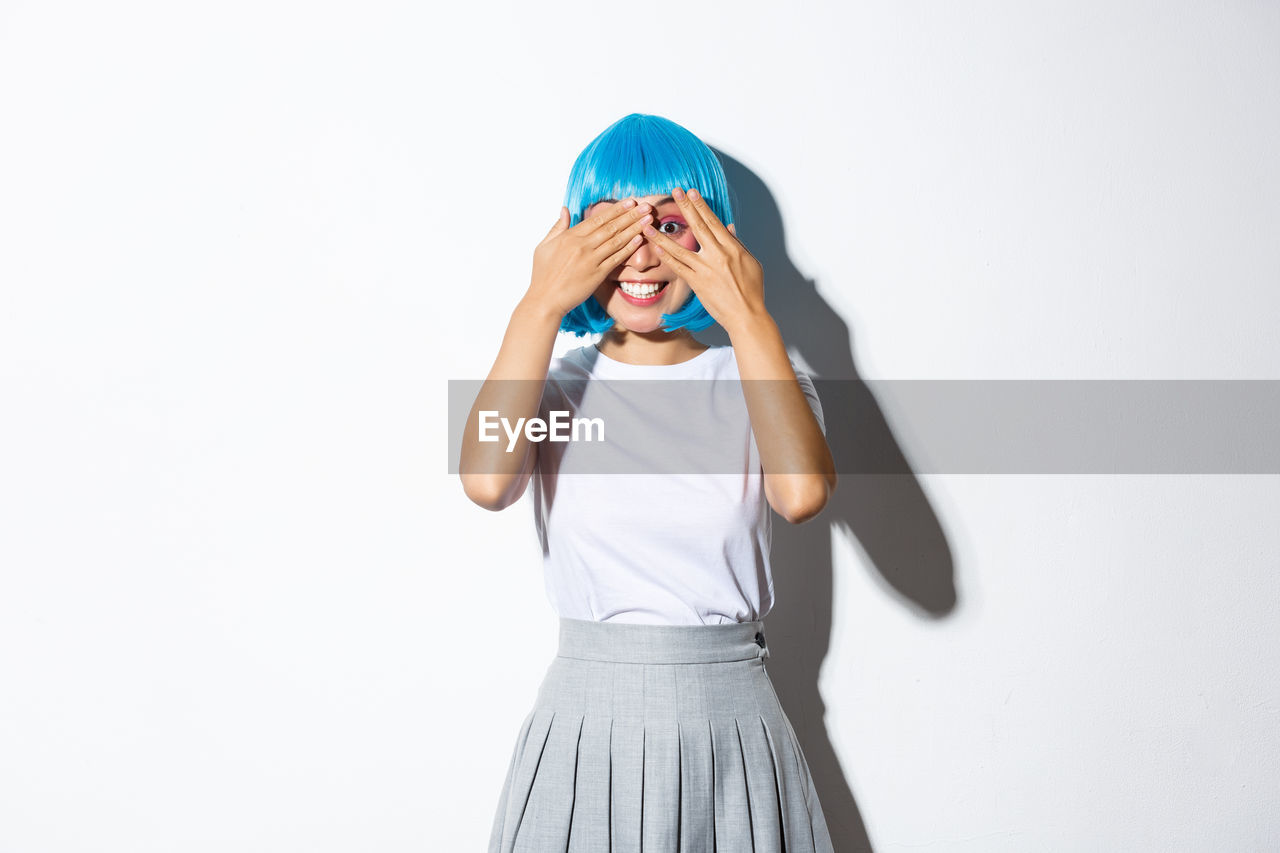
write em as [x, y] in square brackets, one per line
[727, 279]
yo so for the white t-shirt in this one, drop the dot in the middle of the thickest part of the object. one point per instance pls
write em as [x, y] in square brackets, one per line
[683, 547]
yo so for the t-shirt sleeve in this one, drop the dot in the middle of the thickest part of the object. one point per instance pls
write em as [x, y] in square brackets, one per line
[811, 394]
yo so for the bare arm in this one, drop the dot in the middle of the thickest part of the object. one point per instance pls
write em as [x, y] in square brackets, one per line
[568, 265]
[799, 472]
[495, 475]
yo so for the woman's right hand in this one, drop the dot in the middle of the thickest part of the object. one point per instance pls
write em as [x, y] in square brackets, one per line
[570, 263]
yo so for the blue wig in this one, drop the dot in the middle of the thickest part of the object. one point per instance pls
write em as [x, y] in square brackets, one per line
[642, 155]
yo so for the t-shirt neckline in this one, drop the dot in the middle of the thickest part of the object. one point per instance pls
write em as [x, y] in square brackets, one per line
[620, 368]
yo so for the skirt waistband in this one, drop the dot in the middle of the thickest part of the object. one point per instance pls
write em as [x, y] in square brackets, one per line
[624, 642]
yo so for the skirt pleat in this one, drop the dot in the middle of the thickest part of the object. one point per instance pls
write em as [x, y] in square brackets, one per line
[697, 788]
[732, 805]
[589, 826]
[515, 799]
[658, 739]
[626, 751]
[791, 796]
[762, 786]
[549, 813]
[660, 809]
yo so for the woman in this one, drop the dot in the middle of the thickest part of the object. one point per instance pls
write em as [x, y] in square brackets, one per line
[656, 726]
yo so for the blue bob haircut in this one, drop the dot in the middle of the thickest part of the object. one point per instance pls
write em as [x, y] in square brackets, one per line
[641, 155]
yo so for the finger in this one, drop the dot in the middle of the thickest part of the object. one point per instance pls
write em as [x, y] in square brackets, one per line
[733, 231]
[625, 237]
[629, 223]
[693, 217]
[607, 215]
[710, 222]
[562, 224]
[627, 250]
[680, 258]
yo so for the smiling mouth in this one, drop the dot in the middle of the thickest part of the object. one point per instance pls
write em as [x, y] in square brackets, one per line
[642, 289]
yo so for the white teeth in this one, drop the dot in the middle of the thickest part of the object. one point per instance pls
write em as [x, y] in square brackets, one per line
[640, 290]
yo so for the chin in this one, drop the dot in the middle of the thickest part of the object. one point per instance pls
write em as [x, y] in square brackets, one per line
[624, 318]
[640, 328]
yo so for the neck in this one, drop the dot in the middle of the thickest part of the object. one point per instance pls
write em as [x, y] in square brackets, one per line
[657, 347]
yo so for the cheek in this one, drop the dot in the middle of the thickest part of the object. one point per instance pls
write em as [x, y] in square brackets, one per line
[688, 241]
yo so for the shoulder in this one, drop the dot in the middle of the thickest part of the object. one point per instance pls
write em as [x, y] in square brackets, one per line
[574, 364]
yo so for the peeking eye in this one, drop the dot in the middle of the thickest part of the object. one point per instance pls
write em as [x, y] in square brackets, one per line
[671, 227]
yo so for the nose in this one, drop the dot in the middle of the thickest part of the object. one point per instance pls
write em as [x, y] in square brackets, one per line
[645, 257]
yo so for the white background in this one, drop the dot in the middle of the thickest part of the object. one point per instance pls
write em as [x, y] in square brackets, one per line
[243, 247]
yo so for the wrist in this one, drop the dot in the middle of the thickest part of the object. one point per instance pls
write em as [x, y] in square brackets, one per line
[537, 311]
[751, 324]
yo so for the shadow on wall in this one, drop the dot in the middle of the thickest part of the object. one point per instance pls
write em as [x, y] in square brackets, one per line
[887, 512]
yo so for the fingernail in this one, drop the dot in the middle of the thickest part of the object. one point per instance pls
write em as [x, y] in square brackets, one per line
[644, 205]
[631, 202]
[677, 193]
[693, 194]
[649, 229]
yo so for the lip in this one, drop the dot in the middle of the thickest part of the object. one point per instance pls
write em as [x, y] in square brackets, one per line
[648, 300]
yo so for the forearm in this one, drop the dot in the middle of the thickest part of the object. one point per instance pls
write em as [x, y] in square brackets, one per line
[799, 470]
[495, 473]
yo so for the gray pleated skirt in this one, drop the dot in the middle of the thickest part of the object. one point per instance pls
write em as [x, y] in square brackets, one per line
[658, 738]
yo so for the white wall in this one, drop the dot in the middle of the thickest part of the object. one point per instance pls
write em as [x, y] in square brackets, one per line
[244, 246]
